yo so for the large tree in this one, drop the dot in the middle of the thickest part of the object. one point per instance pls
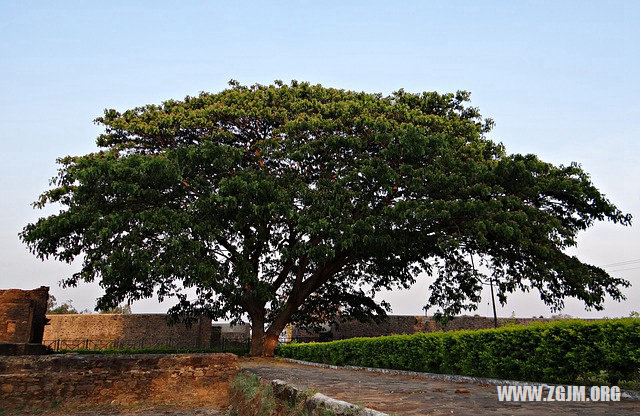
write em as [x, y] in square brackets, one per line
[297, 203]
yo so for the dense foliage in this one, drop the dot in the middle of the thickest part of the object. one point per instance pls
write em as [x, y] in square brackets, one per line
[562, 352]
[299, 203]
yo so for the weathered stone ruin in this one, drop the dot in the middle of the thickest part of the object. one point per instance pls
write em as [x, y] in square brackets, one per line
[22, 321]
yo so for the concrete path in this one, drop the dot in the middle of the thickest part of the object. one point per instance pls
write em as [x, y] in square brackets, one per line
[405, 395]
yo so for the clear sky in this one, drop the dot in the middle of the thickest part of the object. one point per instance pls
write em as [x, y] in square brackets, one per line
[561, 80]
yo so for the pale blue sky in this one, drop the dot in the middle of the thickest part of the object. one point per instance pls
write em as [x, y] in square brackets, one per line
[561, 79]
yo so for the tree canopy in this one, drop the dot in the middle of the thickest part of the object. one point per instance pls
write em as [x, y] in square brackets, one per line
[298, 203]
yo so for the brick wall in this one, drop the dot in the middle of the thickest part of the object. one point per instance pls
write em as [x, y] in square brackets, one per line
[136, 330]
[22, 315]
[71, 380]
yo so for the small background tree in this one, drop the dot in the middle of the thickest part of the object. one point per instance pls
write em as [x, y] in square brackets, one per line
[64, 308]
[119, 310]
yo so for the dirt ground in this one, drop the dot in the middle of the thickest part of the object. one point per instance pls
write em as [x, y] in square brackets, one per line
[164, 412]
[129, 411]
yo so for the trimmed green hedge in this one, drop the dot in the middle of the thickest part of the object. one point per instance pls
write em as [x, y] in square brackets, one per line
[559, 352]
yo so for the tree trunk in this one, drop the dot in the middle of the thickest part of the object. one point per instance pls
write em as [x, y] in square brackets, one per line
[263, 344]
[270, 342]
[257, 337]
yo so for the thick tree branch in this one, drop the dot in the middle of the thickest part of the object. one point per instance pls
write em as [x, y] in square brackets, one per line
[304, 289]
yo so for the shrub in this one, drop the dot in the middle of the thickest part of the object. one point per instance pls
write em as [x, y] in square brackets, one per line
[561, 352]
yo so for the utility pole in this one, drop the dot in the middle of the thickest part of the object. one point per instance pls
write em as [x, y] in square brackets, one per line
[493, 302]
[493, 299]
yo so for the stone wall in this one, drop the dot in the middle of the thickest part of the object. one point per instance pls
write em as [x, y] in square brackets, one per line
[239, 332]
[22, 315]
[71, 380]
[393, 324]
[478, 322]
[151, 330]
[407, 324]
[135, 330]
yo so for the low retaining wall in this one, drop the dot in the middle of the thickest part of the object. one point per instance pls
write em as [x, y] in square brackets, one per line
[43, 382]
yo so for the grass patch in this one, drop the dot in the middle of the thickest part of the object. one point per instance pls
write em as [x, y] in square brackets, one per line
[155, 350]
[57, 408]
[248, 386]
[251, 396]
